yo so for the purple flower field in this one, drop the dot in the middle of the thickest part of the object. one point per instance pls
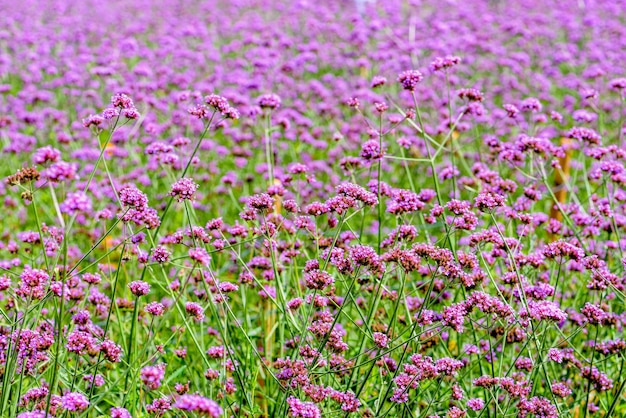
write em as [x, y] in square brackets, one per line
[296, 208]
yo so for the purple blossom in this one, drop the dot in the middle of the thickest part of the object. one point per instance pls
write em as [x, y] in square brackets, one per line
[298, 408]
[444, 63]
[152, 376]
[184, 189]
[269, 101]
[155, 308]
[195, 310]
[410, 79]
[139, 288]
[119, 412]
[74, 402]
[198, 404]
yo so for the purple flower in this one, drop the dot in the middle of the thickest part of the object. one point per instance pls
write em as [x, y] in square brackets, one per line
[97, 381]
[618, 84]
[260, 202]
[358, 193]
[198, 404]
[139, 288]
[380, 339]
[155, 308]
[60, 171]
[371, 151]
[33, 283]
[475, 404]
[195, 310]
[561, 389]
[353, 102]
[76, 202]
[473, 95]
[132, 197]
[545, 310]
[410, 79]
[80, 342]
[298, 408]
[184, 189]
[74, 402]
[269, 101]
[487, 201]
[511, 110]
[122, 101]
[378, 81]
[218, 103]
[444, 63]
[404, 201]
[586, 135]
[118, 412]
[555, 355]
[317, 279]
[110, 113]
[160, 255]
[152, 376]
[93, 120]
[111, 351]
[531, 105]
[200, 256]
[159, 406]
[46, 155]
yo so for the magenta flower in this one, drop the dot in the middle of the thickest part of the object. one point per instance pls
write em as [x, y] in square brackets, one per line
[269, 101]
[74, 402]
[139, 288]
[152, 376]
[410, 79]
[184, 189]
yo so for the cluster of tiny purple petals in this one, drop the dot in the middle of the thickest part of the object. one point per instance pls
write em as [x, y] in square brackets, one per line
[184, 189]
[74, 402]
[139, 288]
[199, 405]
[269, 101]
[214, 104]
[410, 79]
